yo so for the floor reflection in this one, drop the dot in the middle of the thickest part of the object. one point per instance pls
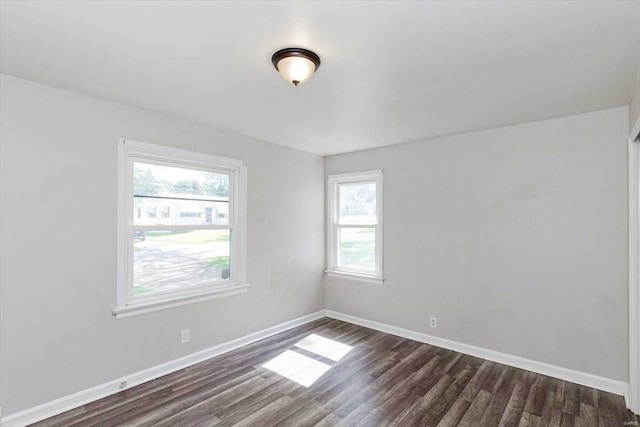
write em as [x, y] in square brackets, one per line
[305, 370]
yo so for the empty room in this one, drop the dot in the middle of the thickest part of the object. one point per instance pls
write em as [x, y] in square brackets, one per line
[319, 213]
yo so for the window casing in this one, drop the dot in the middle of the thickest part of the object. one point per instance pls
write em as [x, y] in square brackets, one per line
[181, 227]
[354, 229]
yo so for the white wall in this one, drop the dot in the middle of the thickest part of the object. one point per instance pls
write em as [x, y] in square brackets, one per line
[514, 238]
[58, 248]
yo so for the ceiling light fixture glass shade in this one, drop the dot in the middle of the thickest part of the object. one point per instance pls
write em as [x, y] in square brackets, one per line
[295, 65]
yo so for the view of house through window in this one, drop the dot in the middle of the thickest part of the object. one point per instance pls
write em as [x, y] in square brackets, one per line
[167, 259]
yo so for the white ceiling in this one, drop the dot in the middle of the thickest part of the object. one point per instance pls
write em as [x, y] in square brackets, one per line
[391, 71]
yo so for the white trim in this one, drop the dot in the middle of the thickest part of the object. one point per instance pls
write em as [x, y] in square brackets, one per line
[357, 176]
[170, 302]
[583, 378]
[635, 127]
[163, 153]
[633, 395]
[333, 181]
[355, 276]
[180, 227]
[83, 397]
[128, 152]
[635, 130]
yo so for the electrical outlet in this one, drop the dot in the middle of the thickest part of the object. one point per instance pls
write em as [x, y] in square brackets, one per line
[123, 384]
[185, 336]
[433, 322]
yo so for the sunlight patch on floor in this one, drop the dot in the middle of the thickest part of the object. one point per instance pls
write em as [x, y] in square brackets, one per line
[324, 347]
[297, 367]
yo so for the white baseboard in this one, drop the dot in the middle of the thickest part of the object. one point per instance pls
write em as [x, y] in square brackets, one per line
[63, 404]
[583, 378]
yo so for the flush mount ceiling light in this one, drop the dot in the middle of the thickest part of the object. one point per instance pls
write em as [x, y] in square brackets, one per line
[295, 65]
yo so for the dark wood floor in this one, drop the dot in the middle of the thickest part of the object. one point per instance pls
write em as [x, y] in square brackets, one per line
[383, 381]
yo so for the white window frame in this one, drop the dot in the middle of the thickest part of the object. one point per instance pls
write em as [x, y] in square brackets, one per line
[633, 393]
[333, 203]
[130, 151]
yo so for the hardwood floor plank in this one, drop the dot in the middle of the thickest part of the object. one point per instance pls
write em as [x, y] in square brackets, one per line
[504, 389]
[476, 410]
[402, 369]
[435, 374]
[383, 381]
[547, 407]
[513, 412]
[312, 413]
[355, 416]
[436, 411]
[588, 416]
[536, 398]
[355, 402]
[197, 415]
[420, 408]
[560, 386]
[529, 420]
[240, 410]
[391, 401]
[494, 377]
[331, 420]
[571, 404]
[455, 413]
[556, 418]
[264, 415]
[474, 386]
[588, 396]
[567, 420]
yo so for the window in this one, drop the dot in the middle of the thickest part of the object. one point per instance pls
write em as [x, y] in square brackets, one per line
[354, 240]
[190, 214]
[166, 260]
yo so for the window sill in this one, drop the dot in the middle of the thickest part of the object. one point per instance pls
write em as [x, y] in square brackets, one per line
[148, 307]
[355, 276]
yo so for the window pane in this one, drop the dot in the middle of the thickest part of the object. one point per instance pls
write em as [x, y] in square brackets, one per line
[172, 260]
[179, 196]
[357, 203]
[357, 248]
[154, 180]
